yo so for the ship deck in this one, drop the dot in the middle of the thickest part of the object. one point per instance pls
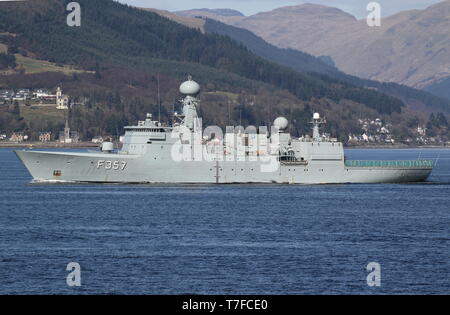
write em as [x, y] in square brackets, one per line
[390, 164]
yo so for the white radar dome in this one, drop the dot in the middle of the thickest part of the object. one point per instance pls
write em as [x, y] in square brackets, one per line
[316, 116]
[190, 87]
[281, 123]
[107, 146]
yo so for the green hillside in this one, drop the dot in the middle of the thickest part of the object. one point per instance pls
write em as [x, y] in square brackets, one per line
[114, 32]
[125, 49]
[303, 62]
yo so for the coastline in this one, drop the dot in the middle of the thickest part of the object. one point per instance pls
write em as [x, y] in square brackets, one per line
[50, 145]
[395, 147]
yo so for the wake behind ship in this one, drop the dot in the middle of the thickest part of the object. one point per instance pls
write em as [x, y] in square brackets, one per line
[186, 153]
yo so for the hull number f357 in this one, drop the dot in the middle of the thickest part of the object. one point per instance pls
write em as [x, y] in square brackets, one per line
[112, 165]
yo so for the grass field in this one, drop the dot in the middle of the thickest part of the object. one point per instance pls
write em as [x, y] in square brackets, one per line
[32, 65]
[232, 96]
[36, 66]
[42, 113]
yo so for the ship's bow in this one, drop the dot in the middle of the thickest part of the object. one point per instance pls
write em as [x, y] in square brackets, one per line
[38, 164]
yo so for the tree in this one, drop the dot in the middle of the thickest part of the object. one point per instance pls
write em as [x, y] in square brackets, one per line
[413, 122]
[431, 121]
[7, 61]
[13, 49]
[441, 120]
[97, 74]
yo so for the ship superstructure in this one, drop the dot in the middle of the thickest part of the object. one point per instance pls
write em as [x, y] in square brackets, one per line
[185, 152]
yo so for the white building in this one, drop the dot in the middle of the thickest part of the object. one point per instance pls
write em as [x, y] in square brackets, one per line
[384, 130]
[42, 94]
[62, 101]
[365, 137]
[45, 136]
[18, 137]
[422, 131]
[97, 139]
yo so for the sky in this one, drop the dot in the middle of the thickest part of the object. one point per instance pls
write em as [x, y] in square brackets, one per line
[249, 7]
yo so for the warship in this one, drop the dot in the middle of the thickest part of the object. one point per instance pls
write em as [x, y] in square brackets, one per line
[183, 152]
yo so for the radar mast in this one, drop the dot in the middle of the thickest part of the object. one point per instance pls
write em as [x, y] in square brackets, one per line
[317, 122]
[190, 89]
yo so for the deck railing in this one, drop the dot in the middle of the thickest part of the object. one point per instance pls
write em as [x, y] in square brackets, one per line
[391, 164]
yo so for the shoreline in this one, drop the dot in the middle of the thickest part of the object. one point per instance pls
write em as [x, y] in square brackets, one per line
[90, 145]
[50, 145]
[396, 147]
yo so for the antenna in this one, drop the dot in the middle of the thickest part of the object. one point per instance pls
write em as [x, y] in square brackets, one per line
[317, 122]
[240, 115]
[173, 112]
[159, 99]
[229, 116]
[117, 134]
[290, 118]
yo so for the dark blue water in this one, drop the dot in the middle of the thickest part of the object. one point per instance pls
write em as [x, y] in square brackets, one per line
[226, 239]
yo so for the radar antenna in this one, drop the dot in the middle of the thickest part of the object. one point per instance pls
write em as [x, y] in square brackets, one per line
[317, 122]
[190, 90]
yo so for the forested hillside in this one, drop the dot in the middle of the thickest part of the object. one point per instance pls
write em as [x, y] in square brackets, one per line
[303, 62]
[115, 32]
[410, 47]
[127, 49]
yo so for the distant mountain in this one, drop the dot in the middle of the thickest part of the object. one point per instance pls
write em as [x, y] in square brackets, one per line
[207, 13]
[303, 62]
[220, 12]
[127, 49]
[143, 38]
[411, 48]
[185, 20]
[327, 60]
[442, 88]
[295, 59]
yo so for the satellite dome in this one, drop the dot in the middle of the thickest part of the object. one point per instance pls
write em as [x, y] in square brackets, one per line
[316, 116]
[190, 87]
[107, 146]
[281, 123]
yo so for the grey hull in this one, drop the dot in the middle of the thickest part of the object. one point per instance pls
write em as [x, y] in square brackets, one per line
[186, 153]
[126, 168]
